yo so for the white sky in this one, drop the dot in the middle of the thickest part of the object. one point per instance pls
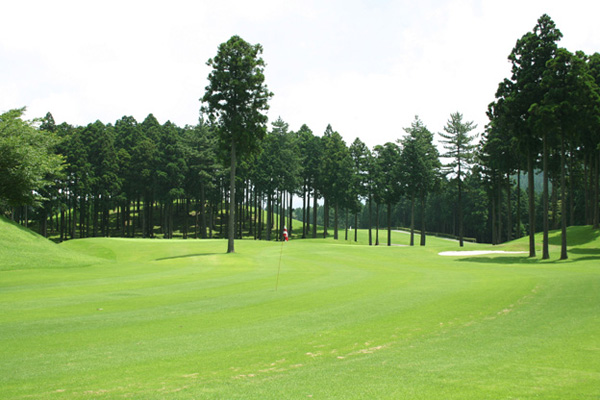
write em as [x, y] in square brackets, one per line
[365, 67]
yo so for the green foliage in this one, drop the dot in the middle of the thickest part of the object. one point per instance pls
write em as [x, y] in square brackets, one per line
[236, 96]
[529, 58]
[335, 169]
[27, 162]
[311, 154]
[278, 165]
[362, 158]
[198, 148]
[387, 173]
[458, 143]
[419, 159]
[571, 103]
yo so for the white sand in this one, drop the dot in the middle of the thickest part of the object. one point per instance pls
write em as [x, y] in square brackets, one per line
[478, 252]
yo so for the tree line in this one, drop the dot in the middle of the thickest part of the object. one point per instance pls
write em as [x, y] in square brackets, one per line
[546, 116]
[145, 179]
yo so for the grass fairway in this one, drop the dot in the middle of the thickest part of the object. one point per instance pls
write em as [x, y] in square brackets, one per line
[156, 319]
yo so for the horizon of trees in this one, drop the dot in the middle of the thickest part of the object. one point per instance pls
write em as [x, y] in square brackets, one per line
[135, 178]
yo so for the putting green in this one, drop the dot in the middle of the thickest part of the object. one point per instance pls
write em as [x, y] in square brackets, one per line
[158, 319]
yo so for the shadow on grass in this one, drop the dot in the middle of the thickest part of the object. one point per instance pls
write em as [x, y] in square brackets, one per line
[187, 256]
[500, 260]
[595, 252]
[588, 254]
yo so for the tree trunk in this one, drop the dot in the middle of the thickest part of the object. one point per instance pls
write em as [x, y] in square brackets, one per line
[494, 223]
[139, 215]
[356, 227]
[325, 217]
[269, 215]
[554, 222]
[545, 251]
[231, 219]
[186, 218]
[170, 221]
[247, 218]
[509, 224]
[304, 211]
[211, 217]
[82, 215]
[280, 215]
[315, 208]
[336, 220]
[571, 190]
[412, 220]
[531, 192]
[107, 218]
[563, 203]
[222, 211]
[291, 215]
[202, 212]
[346, 225]
[377, 225]
[499, 205]
[370, 221]
[258, 216]
[423, 231]
[70, 219]
[587, 183]
[62, 223]
[253, 212]
[595, 203]
[460, 213]
[276, 206]
[389, 224]
[129, 218]
[144, 217]
[241, 217]
[196, 218]
[88, 217]
[518, 233]
[96, 205]
[308, 213]
[44, 222]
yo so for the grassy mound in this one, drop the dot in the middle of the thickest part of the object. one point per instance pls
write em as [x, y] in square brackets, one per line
[158, 319]
[21, 248]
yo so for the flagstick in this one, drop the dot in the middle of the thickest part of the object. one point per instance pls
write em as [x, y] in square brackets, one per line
[279, 269]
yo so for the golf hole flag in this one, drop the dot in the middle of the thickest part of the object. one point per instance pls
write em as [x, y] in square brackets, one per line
[285, 234]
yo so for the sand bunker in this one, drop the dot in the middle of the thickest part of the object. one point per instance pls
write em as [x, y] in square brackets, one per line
[478, 252]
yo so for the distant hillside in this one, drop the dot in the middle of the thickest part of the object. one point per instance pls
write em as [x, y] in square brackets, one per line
[21, 248]
[538, 181]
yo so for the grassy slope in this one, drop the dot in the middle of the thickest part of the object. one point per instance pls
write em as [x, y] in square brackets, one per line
[21, 248]
[180, 319]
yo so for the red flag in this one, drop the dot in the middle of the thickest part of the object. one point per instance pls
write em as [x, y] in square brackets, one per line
[285, 234]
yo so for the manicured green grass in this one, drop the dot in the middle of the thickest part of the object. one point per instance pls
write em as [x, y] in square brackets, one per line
[180, 319]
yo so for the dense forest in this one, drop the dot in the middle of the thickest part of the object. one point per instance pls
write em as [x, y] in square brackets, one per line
[147, 179]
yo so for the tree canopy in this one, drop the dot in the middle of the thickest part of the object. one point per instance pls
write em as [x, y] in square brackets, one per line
[28, 163]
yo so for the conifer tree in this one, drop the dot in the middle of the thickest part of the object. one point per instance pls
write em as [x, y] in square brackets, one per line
[460, 151]
[236, 98]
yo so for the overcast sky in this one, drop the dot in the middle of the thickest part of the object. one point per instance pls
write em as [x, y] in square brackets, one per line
[365, 67]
